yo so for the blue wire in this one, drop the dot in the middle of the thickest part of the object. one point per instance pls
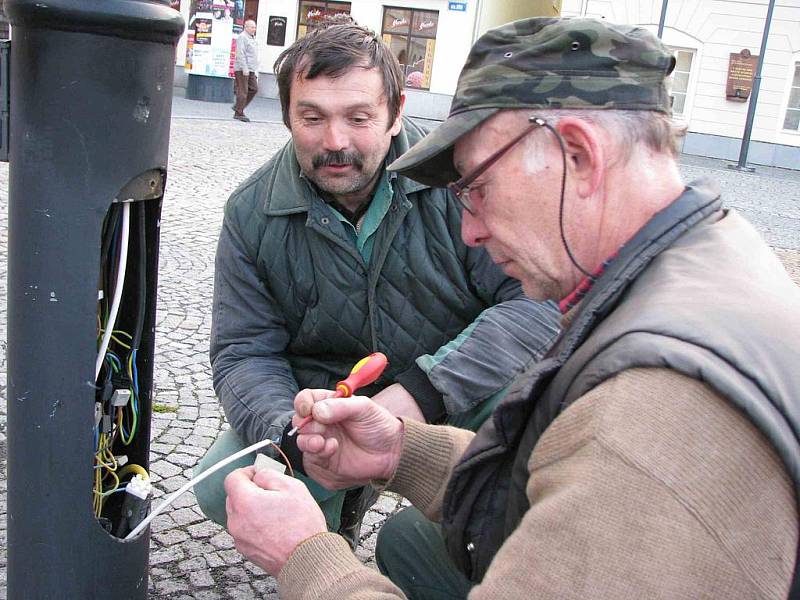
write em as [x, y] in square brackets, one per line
[114, 358]
[135, 374]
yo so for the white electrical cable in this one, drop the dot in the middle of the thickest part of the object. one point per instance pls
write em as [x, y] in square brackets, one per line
[123, 262]
[174, 495]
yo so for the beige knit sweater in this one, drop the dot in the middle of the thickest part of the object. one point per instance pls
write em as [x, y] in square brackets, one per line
[649, 486]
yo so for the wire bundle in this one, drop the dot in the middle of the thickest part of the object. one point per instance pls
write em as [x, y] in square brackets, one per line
[116, 421]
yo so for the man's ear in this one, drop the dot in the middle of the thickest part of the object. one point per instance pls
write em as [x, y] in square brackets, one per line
[398, 122]
[586, 153]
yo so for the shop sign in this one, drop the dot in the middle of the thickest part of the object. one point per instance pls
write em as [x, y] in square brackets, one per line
[276, 31]
[459, 6]
[741, 72]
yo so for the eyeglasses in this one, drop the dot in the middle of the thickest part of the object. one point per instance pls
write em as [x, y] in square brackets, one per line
[460, 188]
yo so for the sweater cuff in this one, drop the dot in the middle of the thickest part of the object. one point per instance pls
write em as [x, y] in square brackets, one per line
[316, 563]
[424, 465]
[290, 449]
[428, 398]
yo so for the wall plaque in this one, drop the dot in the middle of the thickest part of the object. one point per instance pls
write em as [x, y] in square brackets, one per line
[741, 71]
[276, 31]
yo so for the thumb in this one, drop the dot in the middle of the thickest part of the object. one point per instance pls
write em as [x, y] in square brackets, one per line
[336, 410]
[274, 481]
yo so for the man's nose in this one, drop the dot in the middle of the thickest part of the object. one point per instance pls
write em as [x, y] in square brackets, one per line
[335, 137]
[473, 231]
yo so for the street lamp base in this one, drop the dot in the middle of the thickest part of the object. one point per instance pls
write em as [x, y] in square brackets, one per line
[742, 169]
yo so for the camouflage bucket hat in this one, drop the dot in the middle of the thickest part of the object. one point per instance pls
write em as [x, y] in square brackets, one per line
[543, 63]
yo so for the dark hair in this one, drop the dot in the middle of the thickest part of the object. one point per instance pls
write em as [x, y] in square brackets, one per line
[333, 48]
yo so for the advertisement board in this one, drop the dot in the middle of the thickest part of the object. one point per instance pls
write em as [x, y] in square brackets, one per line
[211, 40]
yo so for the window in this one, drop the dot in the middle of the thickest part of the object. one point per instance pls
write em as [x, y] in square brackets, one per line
[792, 120]
[680, 80]
[313, 11]
[411, 35]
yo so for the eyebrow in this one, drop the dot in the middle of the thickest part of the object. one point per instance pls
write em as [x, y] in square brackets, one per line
[315, 106]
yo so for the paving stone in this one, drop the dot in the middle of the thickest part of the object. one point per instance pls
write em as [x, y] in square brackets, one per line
[164, 469]
[242, 592]
[193, 564]
[161, 523]
[184, 500]
[236, 574]
[222, 540]
[385, 504]
[203, 530]
[372, 518]
[196, 452]
[162, 448]
[206, 431]
[214, 560]
[157, 574]
[231, 557]
[185, 516]
[170, 586]
[199, 441]
[172, 484]
[265, 585]
[171, 537]
[167, 555]
[185, 460]
[201, 579]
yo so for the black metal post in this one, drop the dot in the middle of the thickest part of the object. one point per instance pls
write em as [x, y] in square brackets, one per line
[751, 108]
[91, 93]
[663, 18]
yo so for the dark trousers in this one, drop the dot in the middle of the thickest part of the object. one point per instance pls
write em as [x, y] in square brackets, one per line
[411, 552]
[245, 87]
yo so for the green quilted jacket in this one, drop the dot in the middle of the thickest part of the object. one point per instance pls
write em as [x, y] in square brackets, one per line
[296, 306]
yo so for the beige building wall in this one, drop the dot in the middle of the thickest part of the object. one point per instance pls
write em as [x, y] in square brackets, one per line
[710, 30]
[493, 13]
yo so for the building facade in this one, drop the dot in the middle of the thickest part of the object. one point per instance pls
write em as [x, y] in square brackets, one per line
[711, 40]
[715, 43]
[431, 38]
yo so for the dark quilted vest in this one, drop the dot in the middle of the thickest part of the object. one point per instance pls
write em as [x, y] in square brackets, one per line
[662, 303]
[414, 296]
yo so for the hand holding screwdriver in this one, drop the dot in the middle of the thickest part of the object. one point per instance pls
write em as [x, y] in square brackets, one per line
[365, 371]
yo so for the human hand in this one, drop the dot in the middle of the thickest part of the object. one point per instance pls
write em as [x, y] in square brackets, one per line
[399, 402]
[350, 441]
[246, 72]
[269, 515]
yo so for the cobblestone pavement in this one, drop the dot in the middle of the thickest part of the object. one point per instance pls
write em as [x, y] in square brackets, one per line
[209, 154]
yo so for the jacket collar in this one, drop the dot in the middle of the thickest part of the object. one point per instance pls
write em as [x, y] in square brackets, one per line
[288, 191]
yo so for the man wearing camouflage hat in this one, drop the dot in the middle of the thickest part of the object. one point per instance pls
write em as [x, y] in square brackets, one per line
[654, 452]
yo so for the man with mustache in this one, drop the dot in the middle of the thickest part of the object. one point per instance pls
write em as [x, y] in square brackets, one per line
[325, 257]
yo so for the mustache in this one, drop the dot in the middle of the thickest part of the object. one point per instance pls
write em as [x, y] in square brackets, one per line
[339, 157]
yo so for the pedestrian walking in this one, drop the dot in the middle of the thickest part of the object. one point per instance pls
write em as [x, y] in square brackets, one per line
[245, 70]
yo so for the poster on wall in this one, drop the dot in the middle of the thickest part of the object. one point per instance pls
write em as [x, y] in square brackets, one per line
[211, 36]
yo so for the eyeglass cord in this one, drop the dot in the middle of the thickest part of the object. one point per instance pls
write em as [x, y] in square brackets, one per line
[560, 141]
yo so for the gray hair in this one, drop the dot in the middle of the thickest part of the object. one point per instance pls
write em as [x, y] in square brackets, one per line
[627, 128]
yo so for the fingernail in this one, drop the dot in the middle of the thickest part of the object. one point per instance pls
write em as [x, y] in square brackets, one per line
[323, 410]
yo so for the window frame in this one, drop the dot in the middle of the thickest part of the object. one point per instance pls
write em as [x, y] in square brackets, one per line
[325, 4]
[793, 74]
[410, 35]
[684, 114]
